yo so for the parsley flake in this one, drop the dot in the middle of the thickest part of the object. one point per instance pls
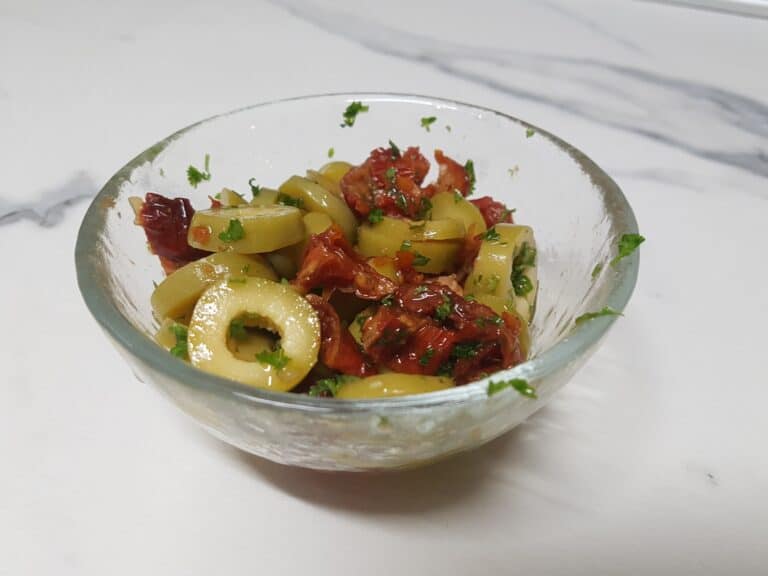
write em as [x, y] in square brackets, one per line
[465, 350]
[445, 309]
[596, 270]
[457, 196]
[529, 132]
[420, 290]
[420, 260]
[388, 300]
[331, 152]
[522, 387]
[491, 235]
[427, 356]
[195, 176]
[276, 358]
[628, 243]
[469, 168]
[255, 188]
[180, 349]
[328, 386]
[237, 329]
[606, 311]
[234, 231]
[406, 245]
[425, 208]
[286, 200]
[402, 202]
[375, 216]
[350, 114]
[394, 150]
[391, 174]
[521, 284]
[427, 122]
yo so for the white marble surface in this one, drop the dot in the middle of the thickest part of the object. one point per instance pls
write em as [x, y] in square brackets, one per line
[652, 460]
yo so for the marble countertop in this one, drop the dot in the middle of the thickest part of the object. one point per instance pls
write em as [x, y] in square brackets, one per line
[651, 460]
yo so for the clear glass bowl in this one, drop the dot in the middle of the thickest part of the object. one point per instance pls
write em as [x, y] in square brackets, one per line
[577, 211]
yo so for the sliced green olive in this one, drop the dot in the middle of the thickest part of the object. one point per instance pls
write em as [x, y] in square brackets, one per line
[254, 343]
[265, 197]
[176, 295]
[335, 170]
[327, 183]
[230, 198]
[437, 256]
[315, 198]
[246, 229]
[280, 309]
[506, 268]
[450, 205]
[391, 384]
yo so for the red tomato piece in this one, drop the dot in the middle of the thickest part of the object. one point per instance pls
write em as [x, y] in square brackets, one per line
[493, 212]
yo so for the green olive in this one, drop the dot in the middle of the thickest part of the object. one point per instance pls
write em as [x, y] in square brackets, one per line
[323, 180]
[449, 205]
[499, 271]
[315, 198]
[246, 229]
[392, 384]
[176, 295]
[279, 308]
[335, 170]
[230, 198]
[374, 241]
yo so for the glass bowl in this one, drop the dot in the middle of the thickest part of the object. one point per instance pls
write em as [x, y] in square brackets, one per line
[576, 210]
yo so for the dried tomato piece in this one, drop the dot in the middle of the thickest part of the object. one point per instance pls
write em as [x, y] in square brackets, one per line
[493, 212]
[389, 181]
[166, 223]
[338, 349]
[330, 262]
[452, 176]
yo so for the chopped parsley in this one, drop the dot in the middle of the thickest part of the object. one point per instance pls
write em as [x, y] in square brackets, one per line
[521, 284]
[276, 358]
[391, 174]
[195, 176]
[388, 300]
[628, 243]
[427, 122]
[180, 349]
[445, 309]
[375, 216]
[526, 256]
[514, 170]
[522, 387]
[255, 188]
[350, 114]
[237, 329]
[331, 152]
[457, 196]
[465, 350]
[420, 260]
[234, 231]
[493, 282]
[491, 235]
[328, 386]
[529, 132]
[402, 202]
[469, 167]
[420, 290]
[425, 207]
[406, 245]
[445, 369]
[427, 356]
[361, 318]
[470, 298]
[596, 270]
[606, 311]
[286, 200]
[394, 150]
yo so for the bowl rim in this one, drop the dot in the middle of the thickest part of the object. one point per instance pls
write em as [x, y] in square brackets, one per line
[577, 342]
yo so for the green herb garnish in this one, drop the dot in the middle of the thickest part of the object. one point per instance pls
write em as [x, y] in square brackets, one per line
[596, 270]
[394, 150]
[402, 202]
[427, 121]
[195, 176]
[425, 207]
[522, 387]
[255, 188]
[529, 132]
[328, 386]
[237, 329]
[375, 216]
[607, 311]
[350, 114]
[276, 358]
[180, 349]
[521, 284]
[491, 235]
[234, 231]
[391, 174]
[388, 300]
[420, 260]
[289, 200]
[406, 245]
[469, 167]
[526, 256]
[457, 196]
[427, 356]
[445, 309]
[420, 290]
[465, 350]
[331, 152]
[628, 243]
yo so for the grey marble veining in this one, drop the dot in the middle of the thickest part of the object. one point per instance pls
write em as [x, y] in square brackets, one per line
[52, 204]
[673, 111]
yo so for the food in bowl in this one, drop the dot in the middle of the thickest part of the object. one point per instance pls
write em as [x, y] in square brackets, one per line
[350, 282]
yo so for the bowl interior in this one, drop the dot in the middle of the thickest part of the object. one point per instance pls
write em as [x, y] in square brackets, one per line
[576, 211]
